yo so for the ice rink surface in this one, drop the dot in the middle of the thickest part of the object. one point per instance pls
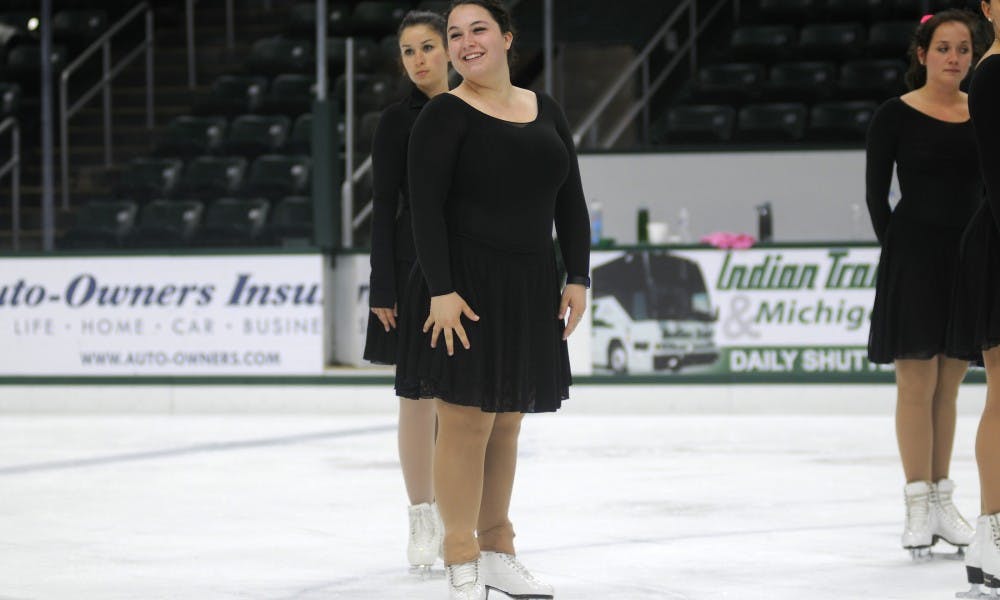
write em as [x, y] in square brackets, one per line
[312, 507]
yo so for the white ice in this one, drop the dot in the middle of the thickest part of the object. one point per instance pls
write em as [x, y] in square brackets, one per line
[312, 507]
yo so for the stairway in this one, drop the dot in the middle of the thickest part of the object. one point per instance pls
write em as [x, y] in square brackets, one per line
[90, 178]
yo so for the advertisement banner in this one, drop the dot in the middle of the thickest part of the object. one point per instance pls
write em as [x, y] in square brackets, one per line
[162, 315]
[778, 311]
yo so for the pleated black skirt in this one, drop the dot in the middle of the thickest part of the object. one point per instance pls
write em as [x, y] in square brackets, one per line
[381, 346]
[914, 289]
[517, 362]
[975, 316]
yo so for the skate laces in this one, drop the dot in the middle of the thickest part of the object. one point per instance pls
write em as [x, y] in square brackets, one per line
[943, 500]
[995, 530]
[520, 569]
[463, 574]
[918, 509]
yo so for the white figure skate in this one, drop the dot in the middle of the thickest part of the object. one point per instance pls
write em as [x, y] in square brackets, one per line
[504, 573]
[426, 534]
[947, 523]
[464, 582]
[974, 566]
[918, 531]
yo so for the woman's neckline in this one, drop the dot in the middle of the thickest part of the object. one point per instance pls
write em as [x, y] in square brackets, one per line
[933, 118]
[538, 110]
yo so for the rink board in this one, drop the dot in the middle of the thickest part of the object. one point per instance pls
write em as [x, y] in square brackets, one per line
[676, 315]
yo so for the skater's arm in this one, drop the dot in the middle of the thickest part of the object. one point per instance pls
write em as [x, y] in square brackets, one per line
[432, 155]
[571, 216]
[388, 169]
[880, 157]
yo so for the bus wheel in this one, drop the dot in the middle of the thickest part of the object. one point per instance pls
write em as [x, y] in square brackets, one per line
[617, 358]
[674, 363]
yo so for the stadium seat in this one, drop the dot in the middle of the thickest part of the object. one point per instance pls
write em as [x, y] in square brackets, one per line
[23, 64]
[891, 39]
[771, 122]
[149, 179]
[253, 135]
[302, 20]
[290, 94]
[300, 140]
[787, 11]
[366, 132]
[378, 91]
[275, 176]
[164, 224]
[434, 6]
[800, 81]
[77, 29]
[100, 225]
[872, 79]
[234, 222]
[10, 98]
[339, 21]
[857, 10]
[212, 176]
[278, 54]
[389, 56]
[232, 95]
[765, 42]
[291, 219]
[705, 123]
[377, 17]
[730, 83]
[187, 136]
[845, 121]
[837, 41]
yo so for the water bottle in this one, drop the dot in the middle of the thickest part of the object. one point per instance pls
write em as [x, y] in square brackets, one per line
[596, 224]
[642, 226]
[765, 230]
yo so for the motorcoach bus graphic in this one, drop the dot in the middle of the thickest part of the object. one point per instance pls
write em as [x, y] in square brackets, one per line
[651, 312]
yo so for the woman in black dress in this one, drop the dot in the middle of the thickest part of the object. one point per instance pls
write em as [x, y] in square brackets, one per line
[928, 136]
[975, 331]
[424, 57]
[492, 166]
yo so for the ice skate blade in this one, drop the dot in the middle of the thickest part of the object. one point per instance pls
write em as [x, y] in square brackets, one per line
[518, 596]
[975, 592]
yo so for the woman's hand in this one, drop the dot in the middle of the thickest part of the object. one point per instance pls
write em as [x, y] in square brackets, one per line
[446, 315]
[387, 316]
[574, 297]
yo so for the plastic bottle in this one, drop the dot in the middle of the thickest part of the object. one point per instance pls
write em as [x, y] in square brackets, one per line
[642, 226]
[765, 222]
[596, 223]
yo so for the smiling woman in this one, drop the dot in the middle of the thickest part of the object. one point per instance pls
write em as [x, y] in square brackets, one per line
[481, 325]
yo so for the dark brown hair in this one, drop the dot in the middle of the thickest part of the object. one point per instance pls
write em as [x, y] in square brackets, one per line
[424, 17]
[916, 75]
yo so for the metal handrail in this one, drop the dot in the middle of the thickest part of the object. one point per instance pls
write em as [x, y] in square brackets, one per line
[192, 61]
[104, 85]
[641, 61]
[13, 166]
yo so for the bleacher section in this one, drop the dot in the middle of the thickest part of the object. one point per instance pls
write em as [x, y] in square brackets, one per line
[809, 71]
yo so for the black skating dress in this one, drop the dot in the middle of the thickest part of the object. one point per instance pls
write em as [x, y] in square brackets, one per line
[485, 193]
[976, 317]
[940, 188]
[393, 253]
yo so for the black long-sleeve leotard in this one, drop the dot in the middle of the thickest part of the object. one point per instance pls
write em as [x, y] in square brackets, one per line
[936, 163]
[984, 107]
[392, 231]
[497, 182]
